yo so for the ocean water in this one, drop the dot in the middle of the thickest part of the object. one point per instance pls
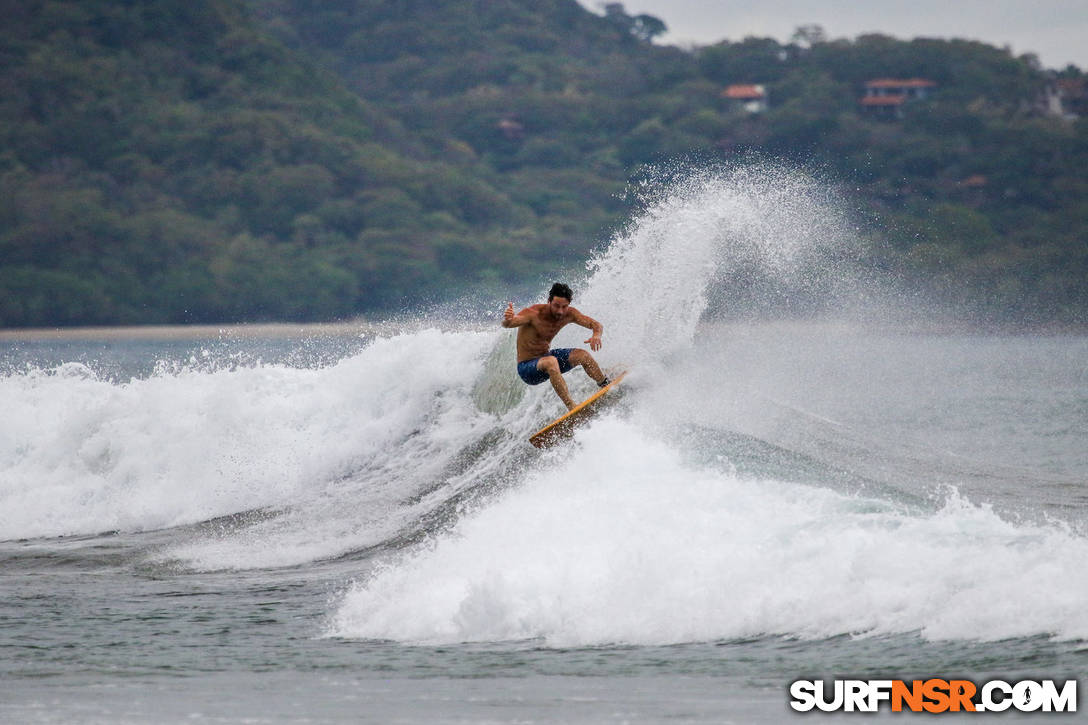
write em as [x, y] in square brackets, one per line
[349, 526]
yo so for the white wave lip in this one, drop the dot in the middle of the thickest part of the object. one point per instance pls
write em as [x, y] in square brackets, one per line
[621, 543]
[79, 455]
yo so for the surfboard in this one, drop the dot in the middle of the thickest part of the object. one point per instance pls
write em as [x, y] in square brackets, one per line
[563, 426]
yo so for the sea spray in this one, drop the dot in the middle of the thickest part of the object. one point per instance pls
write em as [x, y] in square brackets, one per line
[707, 238]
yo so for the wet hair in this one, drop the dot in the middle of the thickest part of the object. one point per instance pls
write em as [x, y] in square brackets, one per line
[560, 290]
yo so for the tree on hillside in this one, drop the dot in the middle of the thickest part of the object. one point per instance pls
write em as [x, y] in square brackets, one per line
[644, 27]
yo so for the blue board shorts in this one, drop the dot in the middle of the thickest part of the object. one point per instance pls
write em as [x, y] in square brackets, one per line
[527, 368]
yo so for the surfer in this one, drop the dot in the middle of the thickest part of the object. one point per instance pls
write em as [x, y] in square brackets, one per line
[537, 325]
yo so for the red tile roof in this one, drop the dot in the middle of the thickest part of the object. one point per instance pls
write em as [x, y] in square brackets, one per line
[883, 100]
[744, 92]
[1073, 87]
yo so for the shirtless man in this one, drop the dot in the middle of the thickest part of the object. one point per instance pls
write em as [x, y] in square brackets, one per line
[538, 324]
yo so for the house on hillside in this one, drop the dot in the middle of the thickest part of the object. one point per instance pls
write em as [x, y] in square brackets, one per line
[884, 97]
[1063, 98]
[511, 128]
[750, 97]
[1073, 97]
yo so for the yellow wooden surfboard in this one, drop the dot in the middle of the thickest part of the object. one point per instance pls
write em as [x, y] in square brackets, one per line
[564, 426]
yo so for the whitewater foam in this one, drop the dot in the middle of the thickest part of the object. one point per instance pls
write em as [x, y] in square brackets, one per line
[617, 540]
[188, 444]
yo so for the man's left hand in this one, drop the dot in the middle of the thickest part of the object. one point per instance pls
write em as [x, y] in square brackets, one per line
[594, 343]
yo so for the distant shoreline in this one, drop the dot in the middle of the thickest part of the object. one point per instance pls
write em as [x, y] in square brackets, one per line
[187, 332]
[289, 330]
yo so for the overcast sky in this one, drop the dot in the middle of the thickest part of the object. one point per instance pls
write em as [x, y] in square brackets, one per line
[1055, 30]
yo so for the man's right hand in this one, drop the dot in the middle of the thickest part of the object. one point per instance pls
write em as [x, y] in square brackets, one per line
[508, 316]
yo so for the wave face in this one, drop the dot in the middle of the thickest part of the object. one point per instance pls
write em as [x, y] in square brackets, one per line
[707, 504]
[341, 445]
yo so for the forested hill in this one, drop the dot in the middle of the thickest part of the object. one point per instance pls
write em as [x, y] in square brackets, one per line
[170, 161]
[218, 160]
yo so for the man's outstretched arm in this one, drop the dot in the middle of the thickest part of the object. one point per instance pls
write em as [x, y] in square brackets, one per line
[509, 319]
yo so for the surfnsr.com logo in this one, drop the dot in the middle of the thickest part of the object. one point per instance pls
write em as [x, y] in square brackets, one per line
[933, 695]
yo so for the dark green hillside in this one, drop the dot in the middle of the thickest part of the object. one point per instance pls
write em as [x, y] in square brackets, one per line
[404, 50]
[217, 160]
[539, 98]
[976, 193]
[167, 161]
